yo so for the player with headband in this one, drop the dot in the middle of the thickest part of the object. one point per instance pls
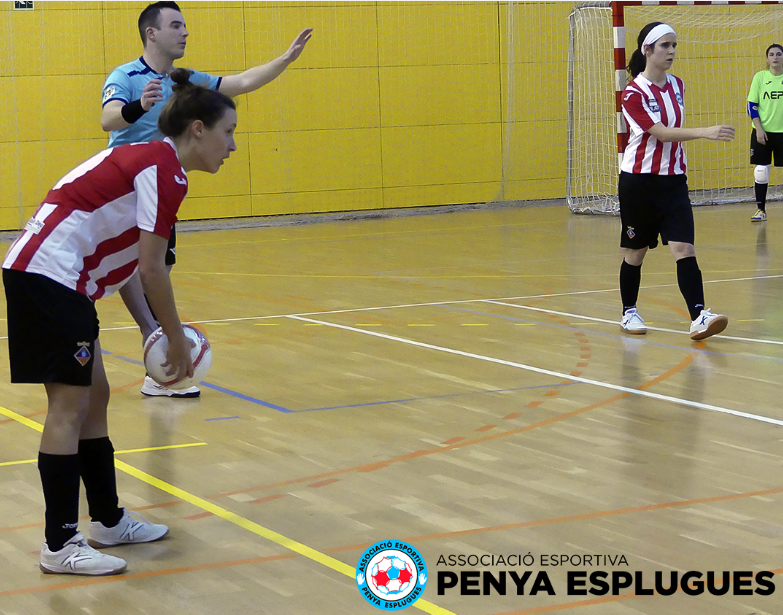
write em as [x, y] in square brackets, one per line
[652, 187]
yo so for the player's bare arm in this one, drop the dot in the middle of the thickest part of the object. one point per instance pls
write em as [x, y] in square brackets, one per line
[157, 286]
[259, 76]
[761, 134]
[713, 133]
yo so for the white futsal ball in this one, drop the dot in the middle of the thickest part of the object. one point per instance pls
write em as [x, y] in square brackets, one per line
[155, 349]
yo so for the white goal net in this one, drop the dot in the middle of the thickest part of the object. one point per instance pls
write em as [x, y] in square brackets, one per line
[720, 48]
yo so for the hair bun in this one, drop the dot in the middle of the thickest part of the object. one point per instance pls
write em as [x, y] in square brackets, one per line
[181, 78]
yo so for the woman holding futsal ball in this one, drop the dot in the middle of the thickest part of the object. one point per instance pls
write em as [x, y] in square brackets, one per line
[109, 215]
[765, 108]
[653, 188]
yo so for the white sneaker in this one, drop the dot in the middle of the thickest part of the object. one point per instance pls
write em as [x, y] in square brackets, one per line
[127, 531]
[759, 216]
[77, 557]
[708, 324]
[633, 323]
[153, 389]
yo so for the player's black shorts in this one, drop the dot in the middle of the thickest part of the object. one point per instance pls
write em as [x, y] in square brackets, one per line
[762, 154]
[51, 330]
[652, 205]
[171, 251]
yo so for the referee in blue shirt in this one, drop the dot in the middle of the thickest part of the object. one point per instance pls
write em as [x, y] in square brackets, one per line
[133, 96]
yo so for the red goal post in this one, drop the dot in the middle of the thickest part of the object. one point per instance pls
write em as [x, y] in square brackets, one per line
[738, 32]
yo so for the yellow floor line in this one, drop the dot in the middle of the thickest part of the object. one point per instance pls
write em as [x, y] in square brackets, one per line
[246, 524]
[132, 450]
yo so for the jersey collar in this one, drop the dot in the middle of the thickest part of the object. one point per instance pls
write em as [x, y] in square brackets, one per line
[174, 147]
[171, 143]
[649, 83]
[149, 68]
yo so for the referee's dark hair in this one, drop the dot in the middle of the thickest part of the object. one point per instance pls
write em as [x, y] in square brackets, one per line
[150, 17]
[638, 61]
[189, 103]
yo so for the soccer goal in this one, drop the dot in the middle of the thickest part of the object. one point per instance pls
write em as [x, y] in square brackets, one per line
[721, 45]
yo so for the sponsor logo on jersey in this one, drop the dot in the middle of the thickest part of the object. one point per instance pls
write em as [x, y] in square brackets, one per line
[772, 95]
[108, 93]
[34, 226]
[179, 180]
[653, 104]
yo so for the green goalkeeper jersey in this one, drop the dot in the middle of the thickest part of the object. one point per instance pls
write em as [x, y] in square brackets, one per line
[766, 91]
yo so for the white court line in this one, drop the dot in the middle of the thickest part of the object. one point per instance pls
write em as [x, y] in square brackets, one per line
[614, 322]
[436, 303]
[547, 372]
[372, 309]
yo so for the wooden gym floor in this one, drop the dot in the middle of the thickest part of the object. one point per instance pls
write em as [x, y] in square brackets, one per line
[458, 381]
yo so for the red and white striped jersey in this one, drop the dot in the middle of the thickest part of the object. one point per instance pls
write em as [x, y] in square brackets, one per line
[85, 234]
[644, 105]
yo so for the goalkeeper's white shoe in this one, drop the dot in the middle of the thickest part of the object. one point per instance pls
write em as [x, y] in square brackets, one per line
[633, 323]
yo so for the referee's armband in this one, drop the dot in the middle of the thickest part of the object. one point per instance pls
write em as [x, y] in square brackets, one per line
[753, 110]
[132, 111]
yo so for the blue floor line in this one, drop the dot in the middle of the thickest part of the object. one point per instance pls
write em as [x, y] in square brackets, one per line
[260, 402]
[399, 401]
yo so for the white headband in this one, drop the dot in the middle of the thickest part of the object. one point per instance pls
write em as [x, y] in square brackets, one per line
[657, 32]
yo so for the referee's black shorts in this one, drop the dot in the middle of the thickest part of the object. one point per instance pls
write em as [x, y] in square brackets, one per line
[51, 330]
[762, 154]
[652, 205]
[171, 251]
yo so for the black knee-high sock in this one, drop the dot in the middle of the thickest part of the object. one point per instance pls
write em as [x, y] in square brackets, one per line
[60, 480]
[691, 286]
[100, 481]
[630, 280]
[761, 195]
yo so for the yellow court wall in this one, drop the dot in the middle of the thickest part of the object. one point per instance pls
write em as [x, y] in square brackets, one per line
[391, 104]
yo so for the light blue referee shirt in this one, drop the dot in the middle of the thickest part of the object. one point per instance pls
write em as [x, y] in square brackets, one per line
[126, 83]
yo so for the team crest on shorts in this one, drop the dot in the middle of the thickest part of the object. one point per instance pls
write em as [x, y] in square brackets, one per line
[630, 232]
[391, 575]
[83, 355]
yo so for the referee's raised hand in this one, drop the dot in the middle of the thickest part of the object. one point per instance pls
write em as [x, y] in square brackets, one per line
[153, 92]
[719, 133]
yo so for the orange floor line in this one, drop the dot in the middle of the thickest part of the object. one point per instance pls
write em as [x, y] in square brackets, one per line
[40, 412]
[378, 465]
[142, 575]
[130, 385]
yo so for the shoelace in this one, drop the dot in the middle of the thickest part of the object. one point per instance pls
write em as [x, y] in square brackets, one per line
[635, 315]
[83, 545]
